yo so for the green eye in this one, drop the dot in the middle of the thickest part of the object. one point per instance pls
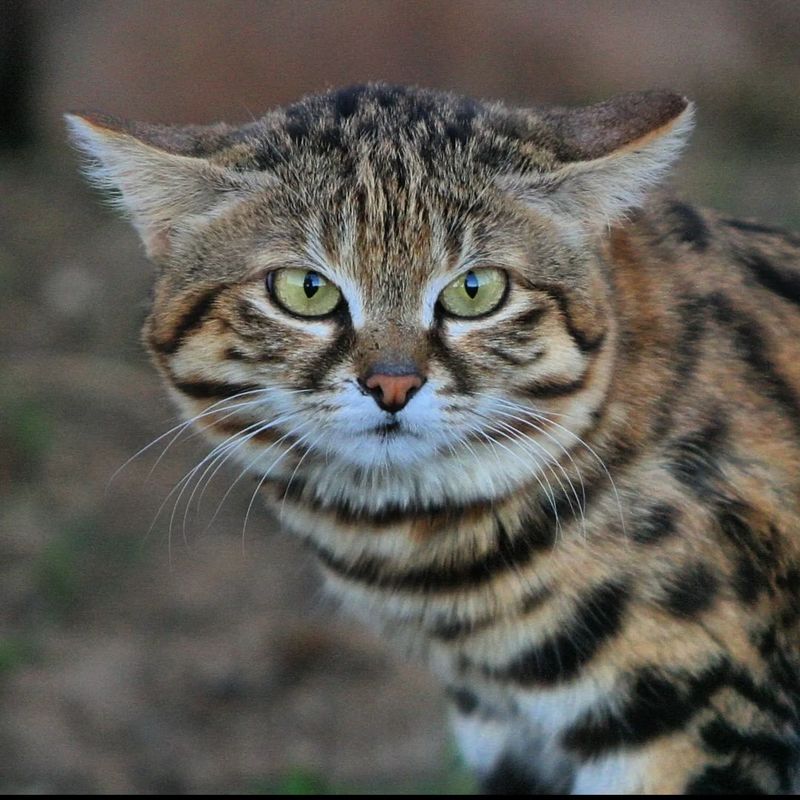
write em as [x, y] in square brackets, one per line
[474, 293]
[303, 292]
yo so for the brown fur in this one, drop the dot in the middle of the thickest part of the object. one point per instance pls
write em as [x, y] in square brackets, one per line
[591, 527]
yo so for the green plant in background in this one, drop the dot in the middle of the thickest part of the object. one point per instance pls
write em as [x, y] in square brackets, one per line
[80, 562]
[16, 652]
[26, 430]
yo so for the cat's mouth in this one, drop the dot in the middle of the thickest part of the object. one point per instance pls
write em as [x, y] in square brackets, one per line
[388, 429]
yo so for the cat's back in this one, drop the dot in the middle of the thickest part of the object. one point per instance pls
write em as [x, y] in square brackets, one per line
[752, 266]
[714, 302]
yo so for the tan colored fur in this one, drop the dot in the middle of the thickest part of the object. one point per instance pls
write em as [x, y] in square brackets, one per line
[589, 520]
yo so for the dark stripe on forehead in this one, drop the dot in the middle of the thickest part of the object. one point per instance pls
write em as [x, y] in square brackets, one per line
[199, 309]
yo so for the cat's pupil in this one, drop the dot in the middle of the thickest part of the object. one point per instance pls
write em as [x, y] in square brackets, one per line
[471, 284]
[311, 284]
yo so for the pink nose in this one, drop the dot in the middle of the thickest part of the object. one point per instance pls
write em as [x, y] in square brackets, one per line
[392, 392]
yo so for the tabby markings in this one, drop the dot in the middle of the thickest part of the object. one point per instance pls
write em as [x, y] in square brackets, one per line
[191, 320]
[782, 282]
[206, 390]
[691, 227]
[690, 591]
[722, 738]
[660, 702]
[748, 337]
[560, 657]
[508, 554]
[657, 524]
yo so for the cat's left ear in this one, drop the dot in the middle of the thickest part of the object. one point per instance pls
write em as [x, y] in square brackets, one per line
[161, 187]
[607, 156]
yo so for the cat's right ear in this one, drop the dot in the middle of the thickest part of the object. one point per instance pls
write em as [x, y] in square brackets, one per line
[162, 191]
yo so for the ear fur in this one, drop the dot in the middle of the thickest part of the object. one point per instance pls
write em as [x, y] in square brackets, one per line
[158, 189]
[594, 189]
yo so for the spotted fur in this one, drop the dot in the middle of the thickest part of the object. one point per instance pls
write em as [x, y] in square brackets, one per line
[587, 517]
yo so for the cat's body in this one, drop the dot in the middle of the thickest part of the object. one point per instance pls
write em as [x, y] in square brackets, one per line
[582, 503]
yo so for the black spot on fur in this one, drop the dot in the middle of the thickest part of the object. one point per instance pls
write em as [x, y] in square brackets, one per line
[331, 138]
[782, 282]
[691, 591]
[750, 344]
[693, 458]
[389, 96]
[722, 738]
[297, 130]
[345, 101]
[658, 704]
[657, 524]
[509, 777]
[267, 158]
[729, 779]
[690, 226]
[597, 618]
[464, 700]
[755, 559]
[452, 629]
[753, 227]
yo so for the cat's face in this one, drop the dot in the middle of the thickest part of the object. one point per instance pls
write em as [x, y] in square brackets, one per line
[411, 287]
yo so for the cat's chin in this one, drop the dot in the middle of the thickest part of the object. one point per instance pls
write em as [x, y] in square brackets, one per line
[384, 446]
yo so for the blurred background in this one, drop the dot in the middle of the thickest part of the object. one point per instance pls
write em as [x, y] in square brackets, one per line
[208, 660]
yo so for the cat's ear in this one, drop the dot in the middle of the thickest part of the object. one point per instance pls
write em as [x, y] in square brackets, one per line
[156, 181]
[607, 156]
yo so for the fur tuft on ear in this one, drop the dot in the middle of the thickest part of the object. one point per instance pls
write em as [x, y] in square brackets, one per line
[158, 188]
[628, 146]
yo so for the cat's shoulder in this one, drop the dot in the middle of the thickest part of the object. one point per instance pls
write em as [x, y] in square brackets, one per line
[682, 226]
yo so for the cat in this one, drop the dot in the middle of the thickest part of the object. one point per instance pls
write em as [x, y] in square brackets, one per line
[539, 421]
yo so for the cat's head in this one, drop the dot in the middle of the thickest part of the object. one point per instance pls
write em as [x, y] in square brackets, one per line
[389, 281]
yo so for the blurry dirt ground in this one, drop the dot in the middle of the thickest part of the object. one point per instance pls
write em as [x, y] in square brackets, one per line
[129, 663]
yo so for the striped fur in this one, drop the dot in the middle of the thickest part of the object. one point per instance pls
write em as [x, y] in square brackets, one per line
[587, 519]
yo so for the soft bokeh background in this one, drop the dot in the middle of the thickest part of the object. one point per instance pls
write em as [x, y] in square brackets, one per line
[211, 662]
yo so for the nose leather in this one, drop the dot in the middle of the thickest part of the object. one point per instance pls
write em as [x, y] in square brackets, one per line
[392, 392]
